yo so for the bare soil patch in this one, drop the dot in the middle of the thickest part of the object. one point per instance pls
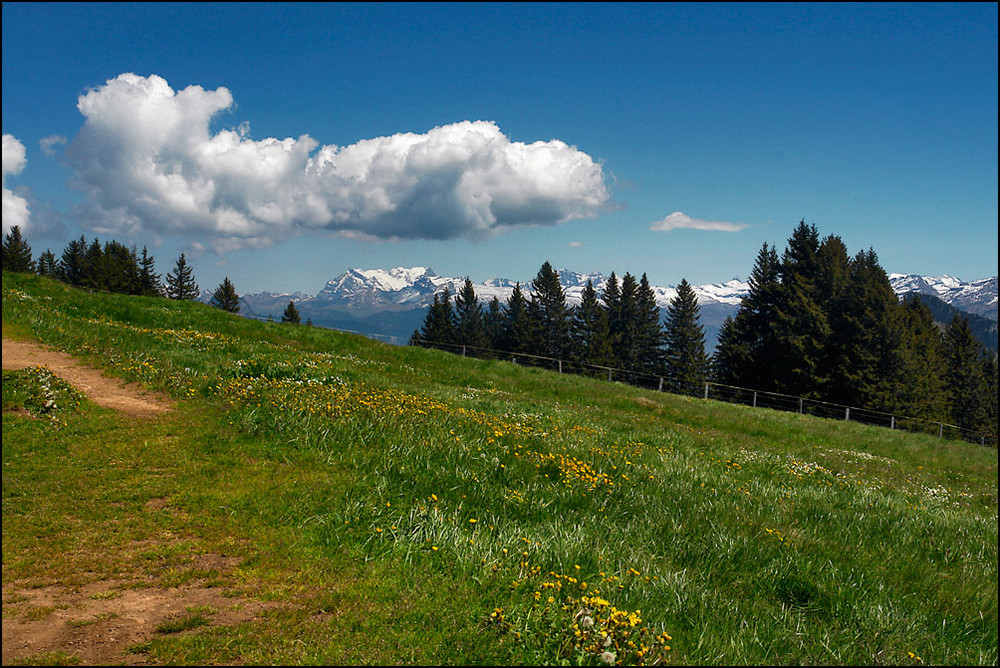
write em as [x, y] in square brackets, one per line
[127, 398]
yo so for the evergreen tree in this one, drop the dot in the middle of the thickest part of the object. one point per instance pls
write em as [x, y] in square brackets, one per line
[469, 322]
[966, 384]
[919, 384]
[117, 269]
[46, 265]
[439, 323]
[493, 322]
[838, 381]
[149, 280]
[92, 256]
[71, 263]
[612, 298]
[650, 335]
[291, 314]
[989, 360]
[802, 326]
[180, 282]
[731, 354]
[225, 297]
[548, 314]
[517, 324]
[686, 364]
[749, 356]
[16, 252]
[590, 338]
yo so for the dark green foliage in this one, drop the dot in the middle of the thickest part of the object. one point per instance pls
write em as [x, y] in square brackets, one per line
[649, 334]
[493, 320]
[966, 383]
[71, 264]
[46, 264]
[17, 252]
[590, 338]
[225, 297]
[920, 378]
[291, 314]
[517, 325]
[686, 363]
[548, 314]
[180, 282]
[149, 280]
[439, 323]
[470, 328]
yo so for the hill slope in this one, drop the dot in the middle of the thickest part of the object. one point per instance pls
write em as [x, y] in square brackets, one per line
[378, 504]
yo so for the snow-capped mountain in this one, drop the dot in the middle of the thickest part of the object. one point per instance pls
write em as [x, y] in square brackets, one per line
[393, 302]
[979, 297]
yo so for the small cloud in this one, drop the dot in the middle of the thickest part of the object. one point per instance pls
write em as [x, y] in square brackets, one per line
[678, 220]
[49, 144]
[576, 244]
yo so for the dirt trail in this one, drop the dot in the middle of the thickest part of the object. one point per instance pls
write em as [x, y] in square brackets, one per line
[129, 399]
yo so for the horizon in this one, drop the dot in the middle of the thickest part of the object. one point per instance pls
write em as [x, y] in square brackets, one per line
[275, 142]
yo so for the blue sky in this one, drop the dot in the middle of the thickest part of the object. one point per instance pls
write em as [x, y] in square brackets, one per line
[280, 144]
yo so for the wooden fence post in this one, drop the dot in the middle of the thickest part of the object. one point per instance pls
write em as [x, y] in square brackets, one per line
[706, 390]
[661, 385]
[847, 413]
[755, 399]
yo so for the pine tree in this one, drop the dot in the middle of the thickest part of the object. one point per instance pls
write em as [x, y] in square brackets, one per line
[291, 314]
[149, 280]
[686, 363]
[650, 336]
[225, 297]
[180, 282]
[17, 252]
[731, 354]
[117, 269]
[46, 265]
[439, 323]
[802, 326]
[493, 321]
[71, 263]
[590, 338]
[469, 325]
[612, 298]
[750, 353]
[91, 278]
[517, 325]
[919, 384]
[548, 314]
[966, 384]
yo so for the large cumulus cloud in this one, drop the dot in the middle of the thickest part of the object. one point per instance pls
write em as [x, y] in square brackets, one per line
[15, 207]
[148, 162]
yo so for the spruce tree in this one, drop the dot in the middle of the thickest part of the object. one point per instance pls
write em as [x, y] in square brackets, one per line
[548, 314]
[919, 384]
[590, 338]
[17, 252]
[516, 325]
[46, 265]
[92, 256]
[70, 268]
[965, 381]
[751, 354]
[439, 322]
[802, 327]
[686, 363]
[493, 321]
[117, 269]
[650, 336]
[225, 297]
[731, 354]
[469, 324]
[612, 298]
[149, 280]
[291, 314]
[180, 282]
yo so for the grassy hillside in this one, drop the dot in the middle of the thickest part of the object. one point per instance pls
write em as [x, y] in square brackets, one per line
[399, 505]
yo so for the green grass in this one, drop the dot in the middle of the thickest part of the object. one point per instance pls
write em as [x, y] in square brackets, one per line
[400, 505]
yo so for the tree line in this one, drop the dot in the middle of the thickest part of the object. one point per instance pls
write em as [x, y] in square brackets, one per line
[116, 267]
[817, 323]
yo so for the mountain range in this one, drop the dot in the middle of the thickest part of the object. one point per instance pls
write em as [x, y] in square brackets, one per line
[390, 304]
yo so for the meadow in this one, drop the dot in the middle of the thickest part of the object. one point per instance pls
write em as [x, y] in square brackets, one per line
[403, 505]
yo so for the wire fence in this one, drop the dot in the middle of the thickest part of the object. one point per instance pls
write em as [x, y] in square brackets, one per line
[727, 393]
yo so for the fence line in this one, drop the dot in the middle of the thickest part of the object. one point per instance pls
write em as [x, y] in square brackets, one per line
[727, 393]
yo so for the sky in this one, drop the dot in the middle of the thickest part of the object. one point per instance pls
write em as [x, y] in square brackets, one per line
[281, 144]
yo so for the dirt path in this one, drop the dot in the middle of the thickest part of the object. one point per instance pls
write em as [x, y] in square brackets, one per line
[102, 390]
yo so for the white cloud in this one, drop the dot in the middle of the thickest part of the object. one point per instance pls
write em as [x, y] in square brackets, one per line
[678, 220]
[147, 161]
[48, 144]
[576, 244]
[15, 207]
